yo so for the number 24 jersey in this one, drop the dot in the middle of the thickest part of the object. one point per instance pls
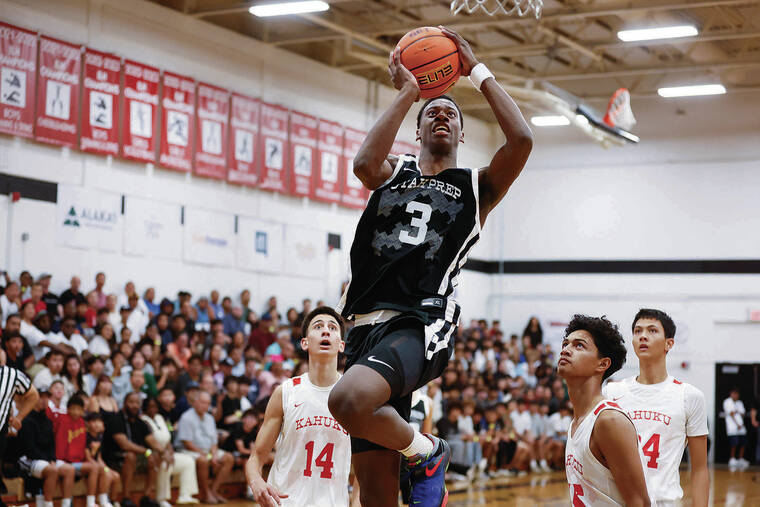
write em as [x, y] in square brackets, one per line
[664, 415]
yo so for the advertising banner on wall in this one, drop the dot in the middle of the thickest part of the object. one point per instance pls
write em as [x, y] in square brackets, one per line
[58, 92]
[100, 103]
[211, 131]
[305, 251]
[209, 237]
[354, 193]
[138, 133]
[152, 228]
[177, 122]
[18, 74]
[326, 181]
[273, 147]
[303, 152]
[259, 245]
[244, 131]
[89, 219]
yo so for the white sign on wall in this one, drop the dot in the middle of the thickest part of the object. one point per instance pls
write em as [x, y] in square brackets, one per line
[209, 237]
[305, 251]
[89, 219]
[259, 245]
[152, 228]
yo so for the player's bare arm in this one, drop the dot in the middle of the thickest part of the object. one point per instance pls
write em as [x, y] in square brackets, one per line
[614, 444]
[507, 163]
[373, 165]
[264, 493]
[700, 477]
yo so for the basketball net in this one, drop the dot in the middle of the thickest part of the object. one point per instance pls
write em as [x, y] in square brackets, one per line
[619, 112]
[508, 7]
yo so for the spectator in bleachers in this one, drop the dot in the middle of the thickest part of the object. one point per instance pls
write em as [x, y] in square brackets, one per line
[71, 442]
[137, 385]
[558, 424]
[147, 301]
[95, 366]
[180, 351]
[196, 432]
[49, 298]
[192, 375]
[262, 336]
[216, 307]
[114, 313]
[10, 302]
[534, 332]
[167, 406]
[25, 284]
[72, 375]
[100, 281]
[57, 400]
[51, 371]
[107, 478]
[203, 311]
[103, 340]
[233, 322]
[138, 363]
[73, 293]
[128, 445]
[169, 463]
[35, 297]
[245, 304]
[16, 355]
[102, 400]
[138, 317]
[38, 454]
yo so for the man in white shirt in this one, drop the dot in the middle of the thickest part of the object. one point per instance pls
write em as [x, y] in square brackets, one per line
[522, 422]
[668, 414]
[51, 372]
[9, 302]
[733, 409]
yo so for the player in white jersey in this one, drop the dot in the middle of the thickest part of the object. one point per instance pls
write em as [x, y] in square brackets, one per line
[667, 413]
[603, 462]
[313, 456]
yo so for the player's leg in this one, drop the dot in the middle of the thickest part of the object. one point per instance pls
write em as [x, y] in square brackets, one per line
[378, 474]
[49, 480]
[202, 469]
[222, 468]
[68, 475]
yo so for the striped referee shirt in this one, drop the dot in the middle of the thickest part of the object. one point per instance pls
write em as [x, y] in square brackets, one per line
[12, 382]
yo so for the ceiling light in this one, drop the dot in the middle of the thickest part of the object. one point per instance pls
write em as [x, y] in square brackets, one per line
[280, 9]
[692, 91]
[664, 32]
[549, 121]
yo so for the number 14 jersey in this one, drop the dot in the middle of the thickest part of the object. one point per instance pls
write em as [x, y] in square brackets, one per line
[664, 415]
[412, 240]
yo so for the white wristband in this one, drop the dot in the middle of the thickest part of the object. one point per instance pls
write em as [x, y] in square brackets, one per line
[478, 74]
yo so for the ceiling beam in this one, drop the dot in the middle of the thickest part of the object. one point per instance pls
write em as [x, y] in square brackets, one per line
[557, 15]
[581, 76]
[306, 39]
[369, 41]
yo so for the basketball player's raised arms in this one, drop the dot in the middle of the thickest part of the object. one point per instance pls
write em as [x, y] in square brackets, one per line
[495, 179]
[614, 443]
[373, 165]
[264, 493]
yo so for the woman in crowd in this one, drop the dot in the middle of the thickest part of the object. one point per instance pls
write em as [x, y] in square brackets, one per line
[102, 343]
[102, 401]
[72, 376]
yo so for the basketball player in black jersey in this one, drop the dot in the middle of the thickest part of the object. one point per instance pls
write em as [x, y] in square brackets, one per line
[411, 242]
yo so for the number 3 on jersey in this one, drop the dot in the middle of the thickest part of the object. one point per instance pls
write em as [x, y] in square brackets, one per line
[418, 222]
[324, 460]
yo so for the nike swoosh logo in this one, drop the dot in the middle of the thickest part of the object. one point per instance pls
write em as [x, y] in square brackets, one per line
[615, 399]
[430, 471]
[375, 360]
[299, 404]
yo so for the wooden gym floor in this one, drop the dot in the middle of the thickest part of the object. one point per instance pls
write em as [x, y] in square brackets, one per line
[730, 489]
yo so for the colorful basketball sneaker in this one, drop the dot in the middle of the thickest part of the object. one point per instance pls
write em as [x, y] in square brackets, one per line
[428, 488]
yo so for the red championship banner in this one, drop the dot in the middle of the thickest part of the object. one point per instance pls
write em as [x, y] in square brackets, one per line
[211, 131]
[18, 65]
[138, 133]
[100, 103]
[326, 181]
[273, 146]
[177, 122]
[303, 152]
[58, 92]
[244, 130]
[354, 193]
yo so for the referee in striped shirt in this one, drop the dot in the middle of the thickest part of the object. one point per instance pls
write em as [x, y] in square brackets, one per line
[13, 384]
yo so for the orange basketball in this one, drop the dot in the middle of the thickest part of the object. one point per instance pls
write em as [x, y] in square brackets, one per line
[432, 58]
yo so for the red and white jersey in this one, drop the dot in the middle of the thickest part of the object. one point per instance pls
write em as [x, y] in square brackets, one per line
[313, 453]
[590, 482]
[664, 415]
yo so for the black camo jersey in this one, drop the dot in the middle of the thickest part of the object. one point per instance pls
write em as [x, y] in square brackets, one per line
[412, 240]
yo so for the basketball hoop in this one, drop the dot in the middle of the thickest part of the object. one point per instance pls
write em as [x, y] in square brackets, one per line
[520, 8]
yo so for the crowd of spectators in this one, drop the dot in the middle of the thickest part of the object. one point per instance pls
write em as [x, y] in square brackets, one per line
[130, 384]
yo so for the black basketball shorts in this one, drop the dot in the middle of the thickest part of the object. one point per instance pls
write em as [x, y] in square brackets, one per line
[408, 351]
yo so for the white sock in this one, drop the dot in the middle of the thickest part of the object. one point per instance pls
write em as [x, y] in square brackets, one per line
[66, 502]
[90, 500]
[420, 445]
[103, 499]
[48, 504]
